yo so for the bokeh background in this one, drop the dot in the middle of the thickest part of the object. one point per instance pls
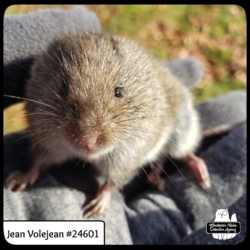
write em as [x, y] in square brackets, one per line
[214, 34]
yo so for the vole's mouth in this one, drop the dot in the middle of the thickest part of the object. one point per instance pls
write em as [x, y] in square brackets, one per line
[93, 153]
[90, 150]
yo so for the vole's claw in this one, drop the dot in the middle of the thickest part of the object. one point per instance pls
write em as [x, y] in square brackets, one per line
[19, 181]
[16, 179]
[97, 206]
[101, 203]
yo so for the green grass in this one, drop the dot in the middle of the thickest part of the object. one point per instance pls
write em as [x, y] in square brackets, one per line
[215, 34]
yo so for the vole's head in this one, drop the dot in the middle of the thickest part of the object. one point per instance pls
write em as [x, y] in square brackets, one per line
[99, 89]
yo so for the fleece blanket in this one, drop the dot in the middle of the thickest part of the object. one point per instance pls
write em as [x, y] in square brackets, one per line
[138, 214]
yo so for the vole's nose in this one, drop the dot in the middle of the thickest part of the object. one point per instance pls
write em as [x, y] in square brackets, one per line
[89, 140]
[86, 139]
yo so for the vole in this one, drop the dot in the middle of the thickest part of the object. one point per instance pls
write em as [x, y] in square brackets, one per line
[103, 99]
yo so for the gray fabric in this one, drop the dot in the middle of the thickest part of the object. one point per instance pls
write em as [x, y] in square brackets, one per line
[26, 35]
[217, 113]
[138, 214]
[187, 70]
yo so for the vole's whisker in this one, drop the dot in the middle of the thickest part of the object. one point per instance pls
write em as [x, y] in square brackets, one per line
[21, 67]
[162, 169]
[146, 173]
[150, 132]
[36, 144]
[27, 99]
[176, 167]
[167, 157]
[14, 85]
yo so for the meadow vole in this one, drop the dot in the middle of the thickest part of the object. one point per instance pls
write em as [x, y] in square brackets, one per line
[103, 99]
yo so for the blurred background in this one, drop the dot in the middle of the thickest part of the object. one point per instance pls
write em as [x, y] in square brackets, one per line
[214, 34]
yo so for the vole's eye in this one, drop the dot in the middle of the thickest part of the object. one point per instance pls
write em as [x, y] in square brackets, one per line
[119, 91]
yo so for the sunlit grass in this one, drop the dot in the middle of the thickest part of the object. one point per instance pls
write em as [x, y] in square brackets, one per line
[14, 118]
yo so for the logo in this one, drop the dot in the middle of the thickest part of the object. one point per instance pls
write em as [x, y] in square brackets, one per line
[222, 228]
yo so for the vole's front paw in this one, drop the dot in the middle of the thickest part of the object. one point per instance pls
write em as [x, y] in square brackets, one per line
[101, 203]
[97, 206]
[18, 181]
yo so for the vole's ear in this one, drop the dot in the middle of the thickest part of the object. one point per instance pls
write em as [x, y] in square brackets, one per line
[189, 70]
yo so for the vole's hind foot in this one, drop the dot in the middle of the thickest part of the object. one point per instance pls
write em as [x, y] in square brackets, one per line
[17, 181]
[101, 202]
[199, 168]
[154, 179]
